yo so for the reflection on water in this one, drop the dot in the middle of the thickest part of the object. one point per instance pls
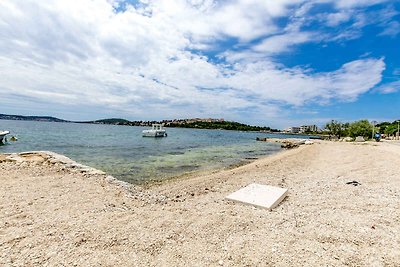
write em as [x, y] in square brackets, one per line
[122, 151]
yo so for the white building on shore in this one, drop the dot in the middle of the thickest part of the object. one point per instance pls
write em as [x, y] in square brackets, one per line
[293, 129]
[302, 129]
[308, 128]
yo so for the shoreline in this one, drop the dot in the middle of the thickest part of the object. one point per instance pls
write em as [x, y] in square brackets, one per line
[62, 216]
[51, 157]
[207, 172]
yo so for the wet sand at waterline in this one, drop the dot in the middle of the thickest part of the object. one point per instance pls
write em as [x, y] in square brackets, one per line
[64, 214]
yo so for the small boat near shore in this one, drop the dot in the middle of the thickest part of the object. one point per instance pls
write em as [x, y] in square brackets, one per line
[3, 136]
[157, 130]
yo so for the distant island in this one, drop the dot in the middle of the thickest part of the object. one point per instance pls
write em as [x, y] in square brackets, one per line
[197, 123]
[30, 118]
[225, 125]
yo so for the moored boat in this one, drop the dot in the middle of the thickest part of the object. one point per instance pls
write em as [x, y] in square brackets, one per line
[3, 136]
[157, 130]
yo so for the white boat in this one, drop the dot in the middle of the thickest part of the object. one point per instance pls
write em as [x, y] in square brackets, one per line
[157, 130]
[3, 135]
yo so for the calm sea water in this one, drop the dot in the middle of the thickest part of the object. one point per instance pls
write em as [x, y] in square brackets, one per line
[122, 151]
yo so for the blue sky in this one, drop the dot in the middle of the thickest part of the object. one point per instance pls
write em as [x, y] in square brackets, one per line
[277, 63]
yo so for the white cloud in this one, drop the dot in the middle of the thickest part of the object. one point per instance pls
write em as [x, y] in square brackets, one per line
[357, 3]
[392, 29]
[334, 19]
[282, 43]
[297, 87]
[354, 78]
[388, 88]
[351, 18]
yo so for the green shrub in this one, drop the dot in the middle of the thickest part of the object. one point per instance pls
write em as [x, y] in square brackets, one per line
[360, 128]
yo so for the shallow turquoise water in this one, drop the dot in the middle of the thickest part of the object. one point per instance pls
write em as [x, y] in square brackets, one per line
[122, 151]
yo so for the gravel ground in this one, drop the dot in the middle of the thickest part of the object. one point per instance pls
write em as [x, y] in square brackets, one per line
[342, 210]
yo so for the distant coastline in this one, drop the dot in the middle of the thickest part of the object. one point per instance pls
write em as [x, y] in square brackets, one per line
[197, 123]
[30, 118]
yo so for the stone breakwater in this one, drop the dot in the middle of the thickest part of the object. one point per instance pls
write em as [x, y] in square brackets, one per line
[63, 163]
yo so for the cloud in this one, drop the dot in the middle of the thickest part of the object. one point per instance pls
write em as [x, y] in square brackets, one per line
[334, 19]
[392, 29]
[350, 18]
[282, 43]
[388, 88]
[298, 87]
[357, 3]
[355, 78]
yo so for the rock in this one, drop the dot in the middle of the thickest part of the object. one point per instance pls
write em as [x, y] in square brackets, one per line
[110, 179]
[15, 158]
[359, 139]
[3, 158]
[289, 145]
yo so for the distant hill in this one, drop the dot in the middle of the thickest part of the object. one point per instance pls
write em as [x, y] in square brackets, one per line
[115, 121]
[30, 118]
[225, 125]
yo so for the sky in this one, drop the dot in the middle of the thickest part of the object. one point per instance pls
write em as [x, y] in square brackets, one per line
[274, 63]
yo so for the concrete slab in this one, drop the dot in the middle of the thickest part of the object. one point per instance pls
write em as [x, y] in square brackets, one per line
[264, 196]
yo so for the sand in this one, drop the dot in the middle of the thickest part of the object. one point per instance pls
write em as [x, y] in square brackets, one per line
[53, 215]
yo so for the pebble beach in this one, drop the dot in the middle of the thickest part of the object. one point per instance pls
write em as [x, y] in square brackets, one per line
[342, 209]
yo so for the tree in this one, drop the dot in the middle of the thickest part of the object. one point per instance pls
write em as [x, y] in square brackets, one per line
[382, 126]
[360, 128]
[345, 129]
[390, 129]
[335, 128]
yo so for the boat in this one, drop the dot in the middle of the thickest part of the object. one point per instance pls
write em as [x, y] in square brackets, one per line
[3, 136]
[157, 130]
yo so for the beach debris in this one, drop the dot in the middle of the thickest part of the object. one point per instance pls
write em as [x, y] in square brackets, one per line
[359, 139]
[308, 142]
[355, 183]
[347, 139]
[264, 196]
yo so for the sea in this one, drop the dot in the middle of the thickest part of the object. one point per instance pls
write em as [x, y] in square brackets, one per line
[122, 152]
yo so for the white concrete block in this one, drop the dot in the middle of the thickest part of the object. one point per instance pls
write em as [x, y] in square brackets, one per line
[264, 196]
